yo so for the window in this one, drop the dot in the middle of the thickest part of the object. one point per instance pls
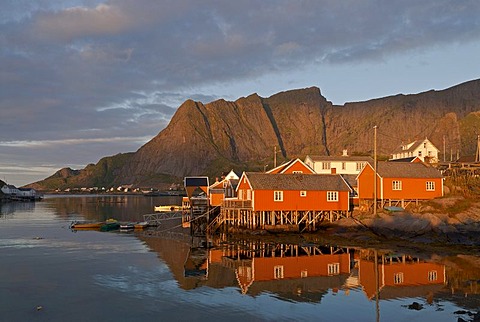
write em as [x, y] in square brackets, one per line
[419, 153]
[334, 269]
[297, 171]
[396, 185]
[278, 196]
[430, 186]
[325, 165]
[249, 194]
[278, 271]
[398, 278]
[360, 166]
[332, 195]
[304, 274]
[303, 193]
[344, 165]
[432, 276]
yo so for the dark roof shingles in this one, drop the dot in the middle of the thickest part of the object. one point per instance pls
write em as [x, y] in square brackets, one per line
[310, 182]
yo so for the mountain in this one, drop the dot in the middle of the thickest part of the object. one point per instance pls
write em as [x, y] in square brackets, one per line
[208, 139]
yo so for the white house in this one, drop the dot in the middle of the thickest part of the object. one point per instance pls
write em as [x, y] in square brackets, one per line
[21, 193]
[10, 190]
[423, 149]
[343, 164]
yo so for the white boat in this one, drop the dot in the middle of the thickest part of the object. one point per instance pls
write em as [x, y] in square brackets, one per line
[166, 208]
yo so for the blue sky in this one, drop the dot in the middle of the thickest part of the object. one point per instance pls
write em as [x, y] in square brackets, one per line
[84, 79]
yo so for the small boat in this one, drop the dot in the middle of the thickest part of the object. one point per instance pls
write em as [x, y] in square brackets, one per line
[140, 225]
[86, 225]
[166, 208]
[110, 224]
[127, 226]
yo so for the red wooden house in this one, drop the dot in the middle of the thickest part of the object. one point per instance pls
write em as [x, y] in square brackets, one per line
[286, 201]
[285, 192]
[400, 182]
[222, 189]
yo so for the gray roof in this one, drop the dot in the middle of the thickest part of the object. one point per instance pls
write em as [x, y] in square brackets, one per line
[409, 159]
[406, 170]
[296, 181]
[353, 158]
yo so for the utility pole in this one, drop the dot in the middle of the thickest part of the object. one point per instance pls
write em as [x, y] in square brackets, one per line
[477, 154]
[274, 156]
[443, 148]
[375, 171]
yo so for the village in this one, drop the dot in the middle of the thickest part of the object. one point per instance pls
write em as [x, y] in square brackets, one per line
[300, 195]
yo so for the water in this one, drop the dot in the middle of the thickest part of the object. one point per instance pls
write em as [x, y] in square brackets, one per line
[50, 273]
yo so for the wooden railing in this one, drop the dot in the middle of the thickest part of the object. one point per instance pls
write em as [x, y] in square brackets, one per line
[237, 204]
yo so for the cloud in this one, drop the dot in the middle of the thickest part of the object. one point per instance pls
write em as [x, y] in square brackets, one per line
[76, 22]
[51, 143]
[87, 69]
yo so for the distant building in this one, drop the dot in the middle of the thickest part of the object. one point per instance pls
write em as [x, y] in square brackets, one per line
[13, 192]
[344, 164]
[222, 189]
[423, 149]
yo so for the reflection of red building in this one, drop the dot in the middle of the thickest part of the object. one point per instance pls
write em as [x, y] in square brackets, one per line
[281, 266]
[398, 275]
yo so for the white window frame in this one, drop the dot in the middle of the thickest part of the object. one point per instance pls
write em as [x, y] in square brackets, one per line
[303, 193]
[297, 172]
[359, 166]
[304, 273]
[432, 276]
[344, 165]
[326, 165]
[333, 269]
[397, 185]
[398, 278]
[278, 272]
[430, 185]
[278, 195]
[332, 196]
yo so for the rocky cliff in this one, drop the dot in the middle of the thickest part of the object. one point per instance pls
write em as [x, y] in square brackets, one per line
[208, 139]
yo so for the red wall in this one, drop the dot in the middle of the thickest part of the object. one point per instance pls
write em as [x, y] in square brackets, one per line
[315, 200]
[293, 266]
[412, 188]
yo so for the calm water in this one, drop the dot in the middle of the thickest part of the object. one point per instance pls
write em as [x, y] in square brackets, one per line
[163, 275]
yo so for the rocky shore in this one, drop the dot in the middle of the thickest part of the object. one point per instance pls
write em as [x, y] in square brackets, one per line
[448, 221]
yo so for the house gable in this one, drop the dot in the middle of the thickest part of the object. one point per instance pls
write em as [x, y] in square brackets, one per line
[293, 166]
[423, 149]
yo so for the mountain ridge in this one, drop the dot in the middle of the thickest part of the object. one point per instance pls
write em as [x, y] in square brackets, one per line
[208, 139]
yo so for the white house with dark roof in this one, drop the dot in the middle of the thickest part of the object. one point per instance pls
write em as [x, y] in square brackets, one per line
[423, 149]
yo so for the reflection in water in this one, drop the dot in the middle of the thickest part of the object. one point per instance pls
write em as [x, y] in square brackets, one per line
[306, 273]
[230, 278]
[103, 207]
[9, 208]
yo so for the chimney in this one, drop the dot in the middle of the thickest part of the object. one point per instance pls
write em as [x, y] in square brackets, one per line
[345, 153]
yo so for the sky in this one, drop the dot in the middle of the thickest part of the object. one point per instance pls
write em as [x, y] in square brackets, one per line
[85, 79]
